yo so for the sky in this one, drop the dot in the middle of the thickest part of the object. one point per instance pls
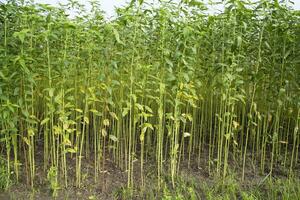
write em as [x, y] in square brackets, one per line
[109, 5]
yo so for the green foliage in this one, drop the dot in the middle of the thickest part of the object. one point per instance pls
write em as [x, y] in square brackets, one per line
[167, 83]
[5, 182]
[52, 179]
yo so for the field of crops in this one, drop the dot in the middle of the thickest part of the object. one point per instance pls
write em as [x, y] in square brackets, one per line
[165, 101]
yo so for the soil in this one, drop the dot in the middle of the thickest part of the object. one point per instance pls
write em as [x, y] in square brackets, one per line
[112, 180]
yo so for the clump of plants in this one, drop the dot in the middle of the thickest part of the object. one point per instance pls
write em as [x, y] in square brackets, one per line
[5, 182]
[167, 84]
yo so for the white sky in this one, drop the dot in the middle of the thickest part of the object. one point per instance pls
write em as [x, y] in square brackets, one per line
[108, 6]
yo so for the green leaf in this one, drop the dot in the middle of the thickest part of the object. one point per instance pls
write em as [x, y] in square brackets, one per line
[44, 121]
[148, 109]
[51, 92]
[113, 138]
[114, 115]
[267, 45]
[70, 150]
[125, 112]
[2, 76]
[227, 136]
[67, 142]
[25, 113]
[139, 106]
[21, 35]
[106, 122]
[169, 62]
[78, 110]
[186, 134]
[142, 136]
[103, 132]
[189, 117]
[148, 125]
[86, 120]
[117, 36]
[27, 141]
[94, 111]
[133, 96]
[239, 41]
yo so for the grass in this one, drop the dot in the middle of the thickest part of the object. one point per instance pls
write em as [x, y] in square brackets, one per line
[191, 188]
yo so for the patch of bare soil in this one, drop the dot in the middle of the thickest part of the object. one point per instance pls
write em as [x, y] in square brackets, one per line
[112, 179]
[107, 182]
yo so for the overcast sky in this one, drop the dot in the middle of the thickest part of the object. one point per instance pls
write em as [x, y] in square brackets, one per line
[109, 5]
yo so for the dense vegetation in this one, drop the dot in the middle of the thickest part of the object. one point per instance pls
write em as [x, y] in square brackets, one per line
[165, 85]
